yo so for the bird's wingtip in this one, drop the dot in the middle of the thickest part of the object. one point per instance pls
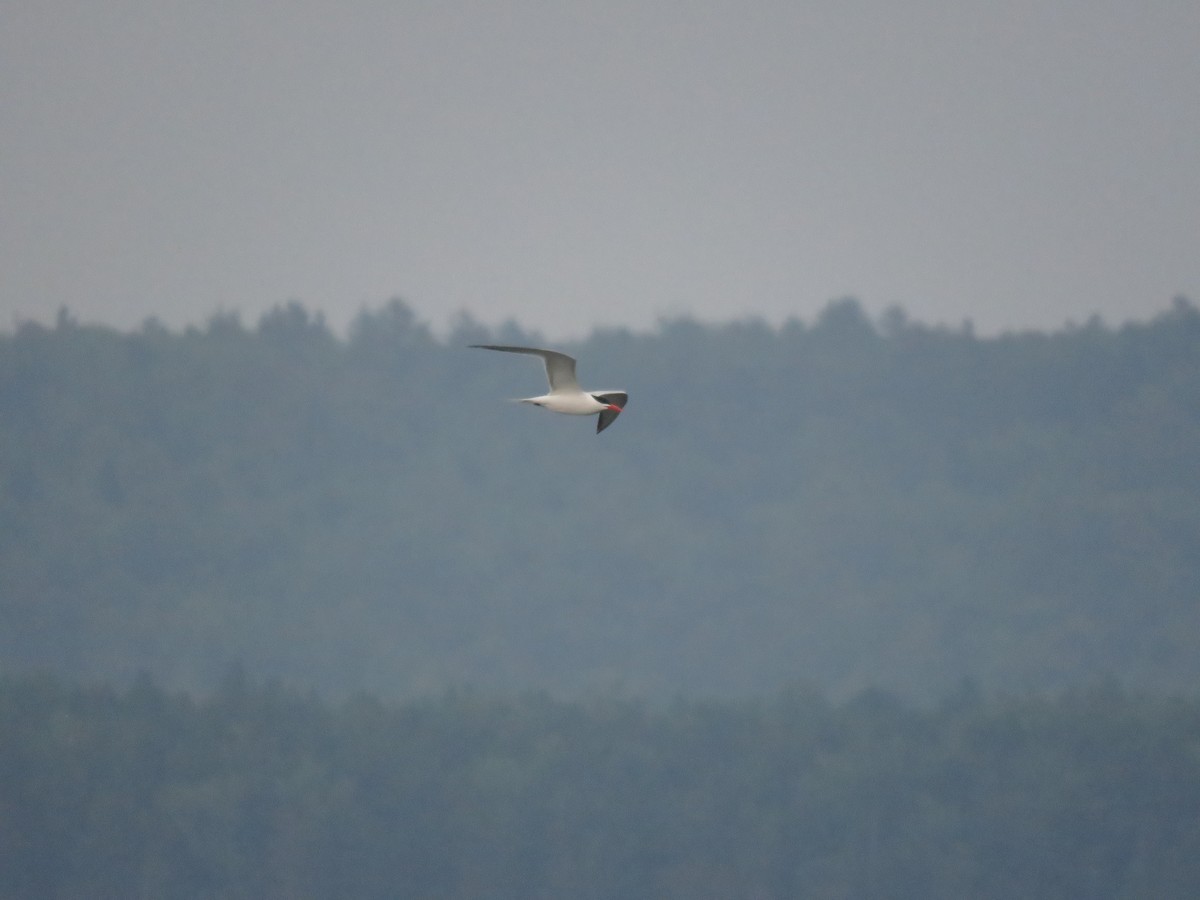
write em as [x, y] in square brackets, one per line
[607, 417]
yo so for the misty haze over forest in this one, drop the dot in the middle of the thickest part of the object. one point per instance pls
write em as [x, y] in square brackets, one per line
[841, 609]
[843, 503]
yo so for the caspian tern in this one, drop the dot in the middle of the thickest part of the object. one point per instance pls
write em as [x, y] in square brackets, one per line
[565, 394]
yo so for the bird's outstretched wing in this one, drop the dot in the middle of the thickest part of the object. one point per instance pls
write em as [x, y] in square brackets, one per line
[608, 416]
[560, 368]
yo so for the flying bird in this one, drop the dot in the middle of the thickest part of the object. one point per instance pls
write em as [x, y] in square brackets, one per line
[565, 394]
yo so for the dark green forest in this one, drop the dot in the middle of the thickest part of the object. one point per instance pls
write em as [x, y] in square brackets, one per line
[844, 502]
[262, 792]
[838, 609]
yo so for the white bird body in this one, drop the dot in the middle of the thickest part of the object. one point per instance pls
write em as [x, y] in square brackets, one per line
[565, 394]
[580, 404]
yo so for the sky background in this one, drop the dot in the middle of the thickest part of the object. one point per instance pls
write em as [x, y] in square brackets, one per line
[567, 165]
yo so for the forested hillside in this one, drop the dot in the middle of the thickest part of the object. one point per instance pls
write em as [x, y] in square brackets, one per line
[843, 502]
[262, 793]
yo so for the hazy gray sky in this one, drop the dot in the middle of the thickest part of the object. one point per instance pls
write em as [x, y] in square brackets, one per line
[570, 164]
